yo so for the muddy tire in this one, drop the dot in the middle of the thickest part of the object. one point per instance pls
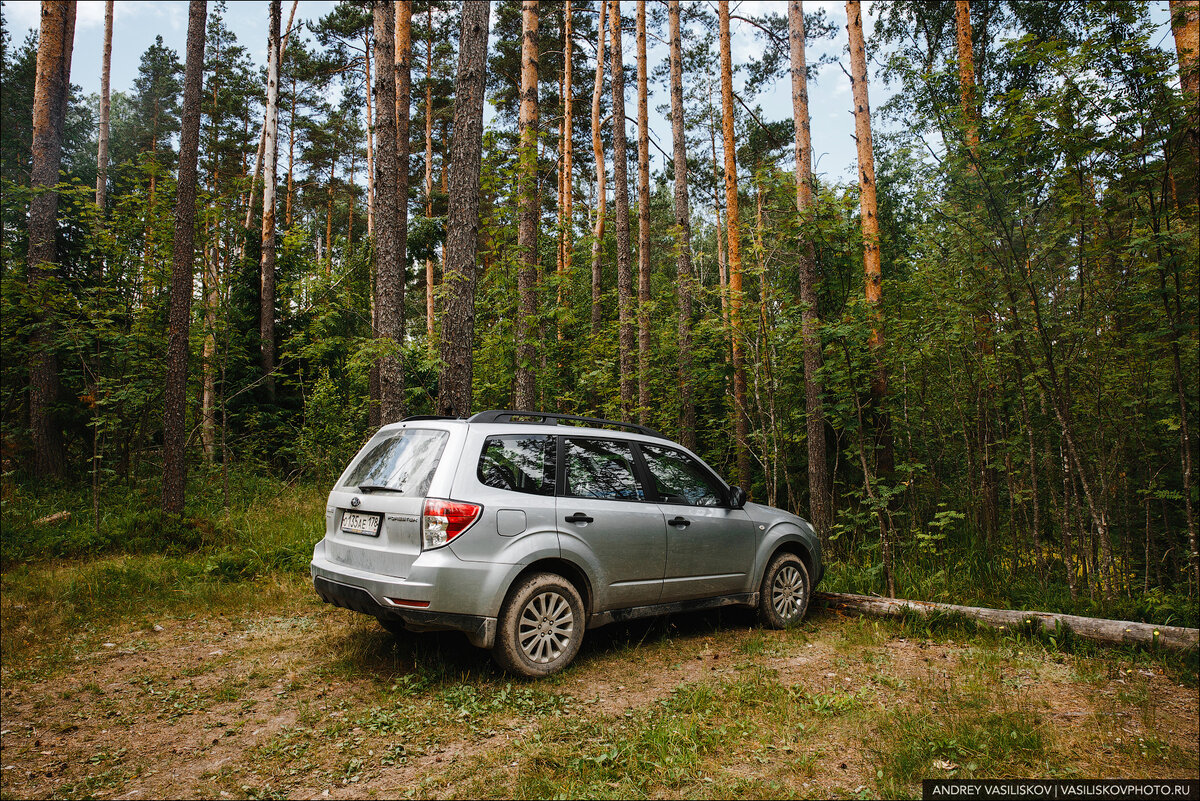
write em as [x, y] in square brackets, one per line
[540, 627]
[785, 592]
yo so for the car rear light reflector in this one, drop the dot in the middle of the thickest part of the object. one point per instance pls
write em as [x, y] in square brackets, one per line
[408, 602]
[444, 520]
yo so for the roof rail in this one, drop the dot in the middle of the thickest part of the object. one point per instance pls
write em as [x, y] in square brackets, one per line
[417, 417]
[551, 419]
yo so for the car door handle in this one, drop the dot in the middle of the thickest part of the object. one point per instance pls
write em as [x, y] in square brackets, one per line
[679, 522]
[578, 517]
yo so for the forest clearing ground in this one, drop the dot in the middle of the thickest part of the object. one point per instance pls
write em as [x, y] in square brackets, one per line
[276, 695]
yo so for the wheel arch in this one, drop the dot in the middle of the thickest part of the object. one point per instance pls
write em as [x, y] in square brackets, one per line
[562, 567]
[791, 546]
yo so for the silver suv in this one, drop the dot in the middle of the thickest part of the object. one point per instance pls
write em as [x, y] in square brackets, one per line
[523, 529]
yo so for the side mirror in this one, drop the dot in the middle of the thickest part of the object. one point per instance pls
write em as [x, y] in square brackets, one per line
[737, 497]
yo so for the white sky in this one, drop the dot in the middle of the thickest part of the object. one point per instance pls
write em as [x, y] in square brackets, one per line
[137, 23]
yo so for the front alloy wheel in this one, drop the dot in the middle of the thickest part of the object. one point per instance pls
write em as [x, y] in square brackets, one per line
[785, 592]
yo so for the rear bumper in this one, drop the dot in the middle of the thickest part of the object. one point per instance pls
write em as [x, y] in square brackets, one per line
[481, 631]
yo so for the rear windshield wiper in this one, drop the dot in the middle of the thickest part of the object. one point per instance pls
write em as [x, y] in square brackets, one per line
[368, 488]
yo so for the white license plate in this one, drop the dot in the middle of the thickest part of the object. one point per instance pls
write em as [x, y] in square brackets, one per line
[361, 523]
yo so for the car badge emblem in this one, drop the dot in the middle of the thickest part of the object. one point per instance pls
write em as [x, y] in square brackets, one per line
[355, 502]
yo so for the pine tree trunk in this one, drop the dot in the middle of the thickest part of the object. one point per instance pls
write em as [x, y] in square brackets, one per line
[568, 150]
[51, 85]
[462, 226]
[1185, 25]
[388, 250]
[266, 319]
[287, 203]
[429, 276]
[985, 438]
[684, 284]
[820, 509]
[528, 210]
[733, 240]
[873, 275]
[601, 177]
[371, 114]
[179, 315]
[105, 108]
[262, 138]
[625, 300]
[643, 186]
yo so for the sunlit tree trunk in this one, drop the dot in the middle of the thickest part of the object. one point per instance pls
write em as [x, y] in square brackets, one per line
[820, 507]
[105, 107]
[601, 177]
[179, 314]
[741, 421]
[1185, 25]
[462, 226]
[266, 319]
[872, 271]
[51, 85]
[625, 300]
[643, 186]
[684, 285]
[528, 211]
[568, 150]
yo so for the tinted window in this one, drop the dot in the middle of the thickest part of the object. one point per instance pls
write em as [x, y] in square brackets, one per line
[678, 478]
[600, 469]
[518, 463]
[403, 462]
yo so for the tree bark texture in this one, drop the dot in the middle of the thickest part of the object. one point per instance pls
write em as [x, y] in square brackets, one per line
[733, 240]
[568, 153]
[429, 276]
[1185, 25]
[528, 211]
[625, 300]
[262, 137]
[462, 226]
[52, 81]
[684, 285]
[966, 75]
[180, 310]
[266, 317]
[105, 108]
[601, 176]
[872, 270]
[389, 270]
[643, 187]
[820, 504]
[1114, 632]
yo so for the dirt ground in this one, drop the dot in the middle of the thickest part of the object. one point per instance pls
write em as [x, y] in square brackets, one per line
[314, 702]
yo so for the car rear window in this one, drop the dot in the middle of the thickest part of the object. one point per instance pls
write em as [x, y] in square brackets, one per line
[402, 463]
[518, 462]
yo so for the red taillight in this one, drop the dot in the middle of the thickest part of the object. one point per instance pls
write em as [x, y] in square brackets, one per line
[442, 520]
[408, 602]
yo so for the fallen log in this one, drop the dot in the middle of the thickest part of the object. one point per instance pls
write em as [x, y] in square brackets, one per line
[1119, 632]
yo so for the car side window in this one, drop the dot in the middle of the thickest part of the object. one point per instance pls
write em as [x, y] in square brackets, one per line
[519, 463]
[601, 469]
[680, 479]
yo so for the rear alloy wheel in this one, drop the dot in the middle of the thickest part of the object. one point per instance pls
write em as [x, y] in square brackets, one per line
[540, 627]
[785, 592]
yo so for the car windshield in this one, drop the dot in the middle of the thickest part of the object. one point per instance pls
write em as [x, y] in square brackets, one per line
[402, 463]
